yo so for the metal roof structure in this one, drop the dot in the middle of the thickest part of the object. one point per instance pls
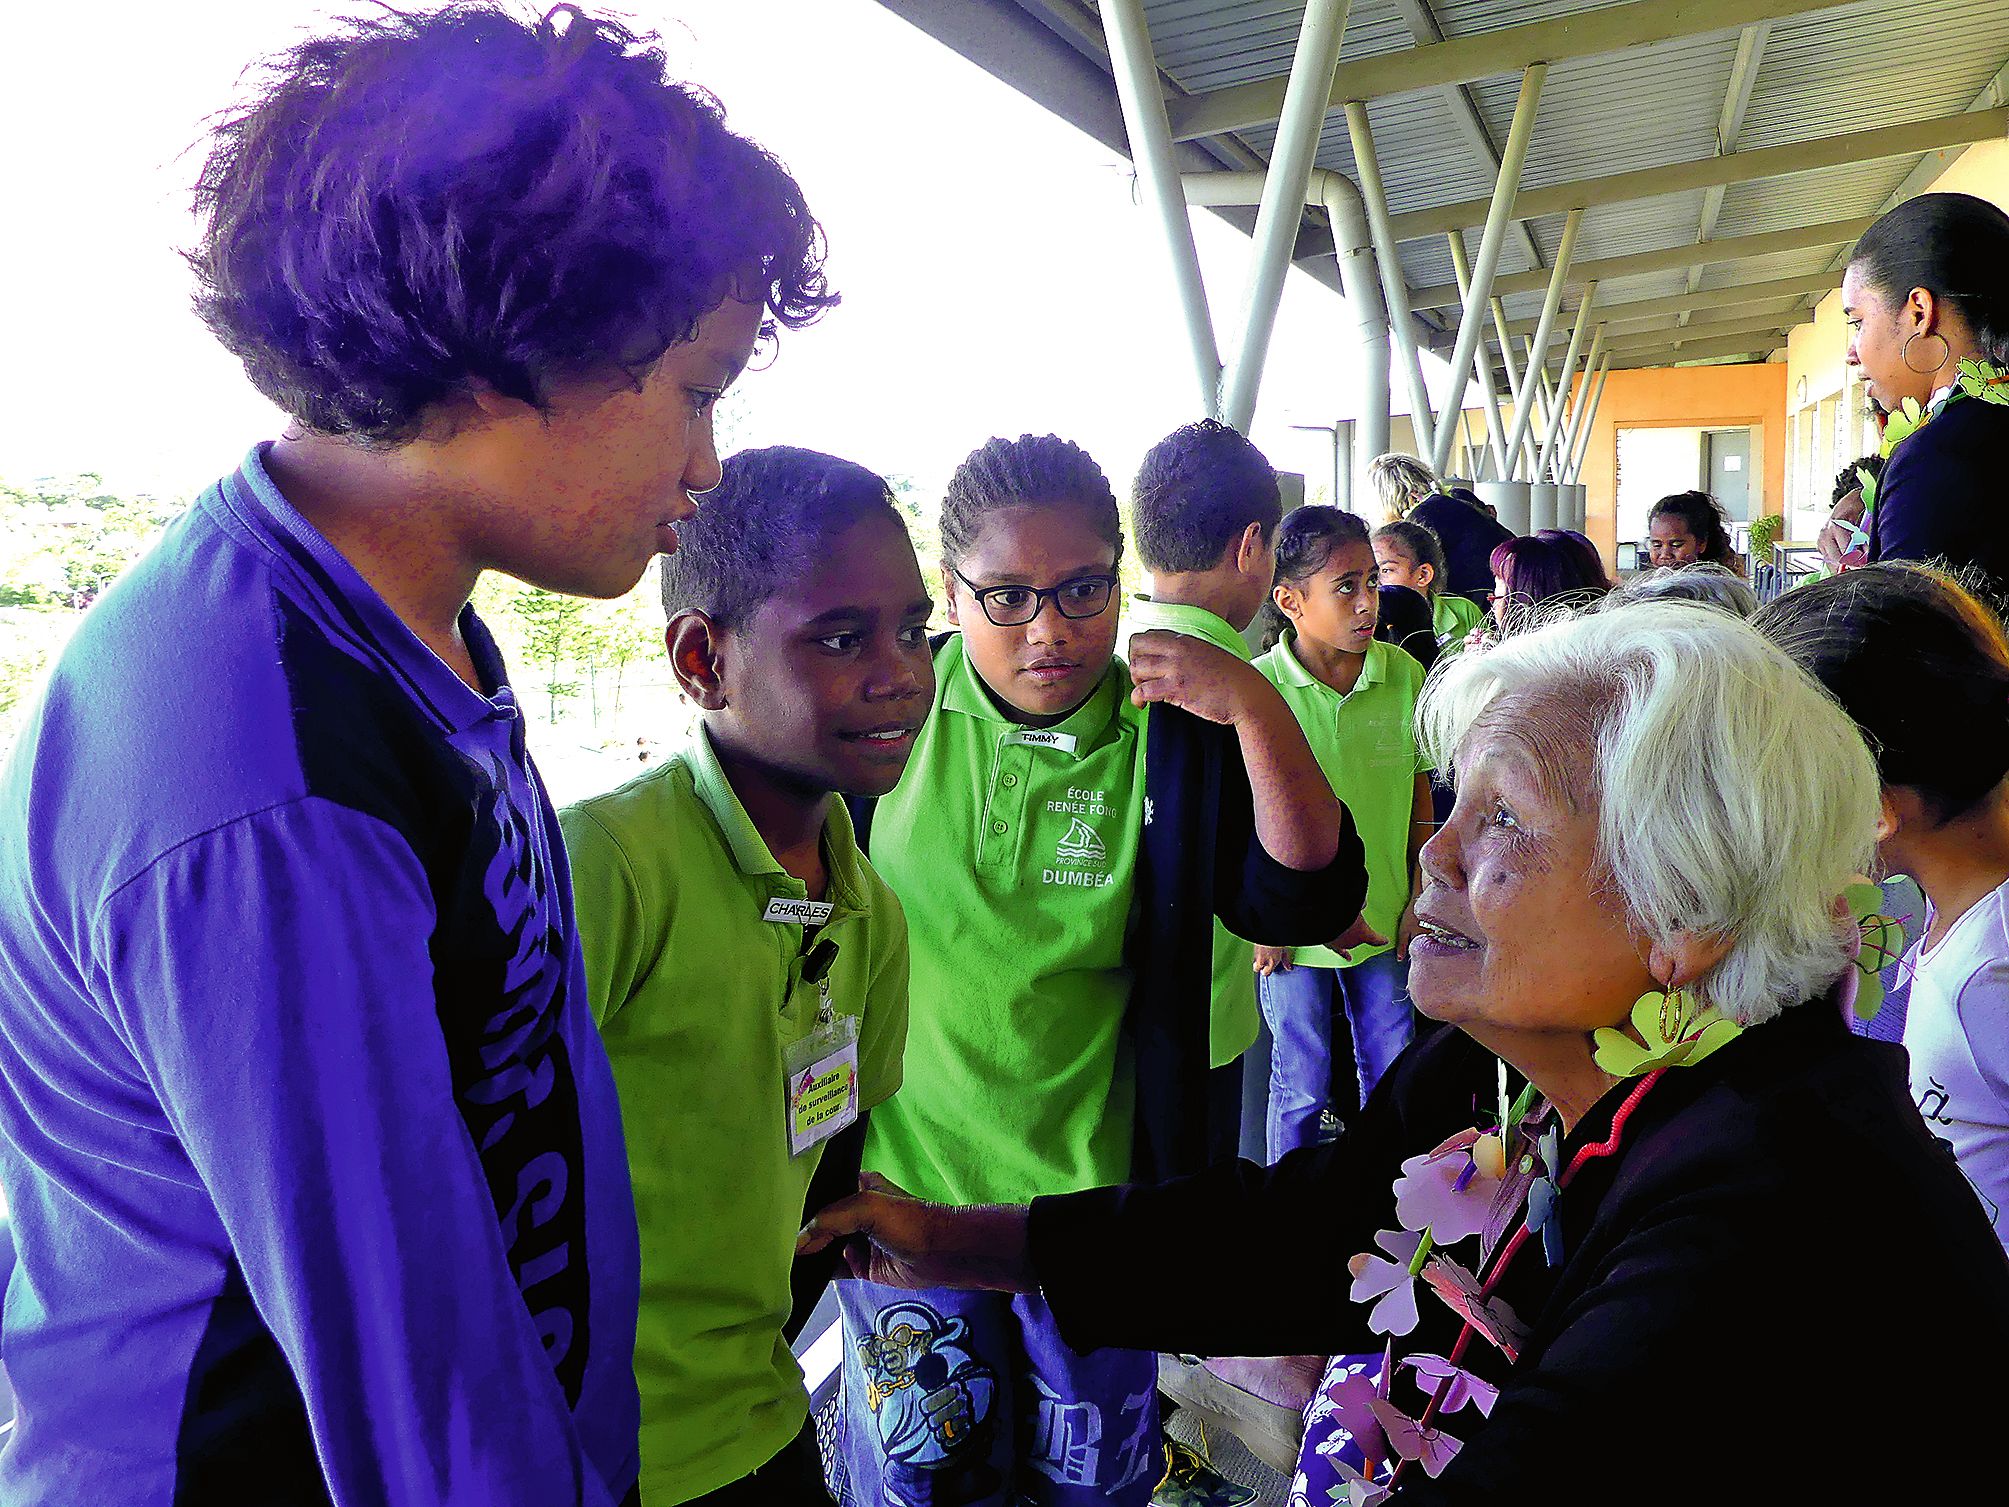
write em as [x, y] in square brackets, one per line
[1716, 156]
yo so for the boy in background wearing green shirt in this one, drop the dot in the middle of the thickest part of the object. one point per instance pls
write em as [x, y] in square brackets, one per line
[1028, 842]
[1355, 697]
[746, 965]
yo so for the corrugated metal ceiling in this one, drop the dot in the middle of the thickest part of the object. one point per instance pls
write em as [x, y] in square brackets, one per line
[1848, 68]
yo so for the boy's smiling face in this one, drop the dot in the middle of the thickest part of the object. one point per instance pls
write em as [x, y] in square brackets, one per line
[825, 684]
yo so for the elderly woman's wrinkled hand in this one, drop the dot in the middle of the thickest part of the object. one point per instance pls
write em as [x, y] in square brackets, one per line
[890, 1237]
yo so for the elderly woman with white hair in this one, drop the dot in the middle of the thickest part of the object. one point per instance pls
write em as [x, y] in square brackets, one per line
[1708, 1253]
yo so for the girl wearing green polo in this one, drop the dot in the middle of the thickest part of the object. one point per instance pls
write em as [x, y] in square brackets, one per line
[1355, 697]
[1409, 554]
[1013, 842]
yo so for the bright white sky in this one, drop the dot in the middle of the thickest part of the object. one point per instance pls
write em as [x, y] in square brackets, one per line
[997, 275]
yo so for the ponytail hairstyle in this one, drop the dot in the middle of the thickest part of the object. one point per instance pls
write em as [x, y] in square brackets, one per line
[1400, 482]
[1922, 665]
[1034, 470]
[1954, 246]
[1420, 544]
[1305, 542]
[1703, 518]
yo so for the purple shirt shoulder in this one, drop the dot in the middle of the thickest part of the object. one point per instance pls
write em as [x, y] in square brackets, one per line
[312, 1151]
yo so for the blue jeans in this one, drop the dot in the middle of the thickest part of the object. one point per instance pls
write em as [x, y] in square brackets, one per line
[1298, 1007]
[972, 1399]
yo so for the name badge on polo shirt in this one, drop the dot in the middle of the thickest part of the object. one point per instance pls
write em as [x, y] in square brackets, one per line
[1037, 737]
[783, 908]
[822, 1088]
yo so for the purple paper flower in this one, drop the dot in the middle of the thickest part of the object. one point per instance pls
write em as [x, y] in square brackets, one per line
[1433, 1371]
[1389, 1281]
[1446, 1191]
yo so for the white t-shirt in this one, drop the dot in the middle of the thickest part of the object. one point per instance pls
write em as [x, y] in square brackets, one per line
[1957, 1032]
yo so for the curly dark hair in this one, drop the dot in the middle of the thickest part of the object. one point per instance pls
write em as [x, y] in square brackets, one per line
[1850, 477]
[1034, 468]
[771, 514]
[1703, 519]
[418, 203]
[1197, 492]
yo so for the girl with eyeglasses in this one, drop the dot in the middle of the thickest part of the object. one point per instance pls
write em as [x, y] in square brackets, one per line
[1051, 836]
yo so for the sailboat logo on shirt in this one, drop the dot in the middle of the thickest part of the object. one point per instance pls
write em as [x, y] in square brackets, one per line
[1082, 844]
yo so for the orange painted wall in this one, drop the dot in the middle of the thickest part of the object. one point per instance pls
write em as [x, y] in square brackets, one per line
[1705, 397]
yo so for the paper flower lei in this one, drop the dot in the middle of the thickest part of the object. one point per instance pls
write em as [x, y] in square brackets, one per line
[1473, 1186]
[1972, 379]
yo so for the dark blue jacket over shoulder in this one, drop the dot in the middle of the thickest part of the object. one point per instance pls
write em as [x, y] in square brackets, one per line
[1945, 492]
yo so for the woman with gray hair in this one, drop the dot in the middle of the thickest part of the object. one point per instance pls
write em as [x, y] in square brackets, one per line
[1674, 1263]
[1704, 581]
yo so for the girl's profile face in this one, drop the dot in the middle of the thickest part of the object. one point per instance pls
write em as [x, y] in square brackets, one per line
[1669, 542]
[1400, 568]
[1336, 607]
[1045, 668]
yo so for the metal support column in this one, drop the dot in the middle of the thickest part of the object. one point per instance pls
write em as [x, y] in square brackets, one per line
[1505, 191]
[1143, 104]
[1352, 244]
[1394, 291]
[1579, 402]
[1496, 428]
[1590, 420]
[1538, 345]
[1282, 208]
[1555, 426]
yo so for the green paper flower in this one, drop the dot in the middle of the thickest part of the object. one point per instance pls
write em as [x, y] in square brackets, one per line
[1905, 418]
[1984, 380]
[1880, 942]
[1672, 1030]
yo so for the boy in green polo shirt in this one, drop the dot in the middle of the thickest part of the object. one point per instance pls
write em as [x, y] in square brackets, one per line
[747, 966]
[1355, 698]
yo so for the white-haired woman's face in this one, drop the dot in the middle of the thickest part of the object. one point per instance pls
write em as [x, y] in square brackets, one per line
[1520, 933]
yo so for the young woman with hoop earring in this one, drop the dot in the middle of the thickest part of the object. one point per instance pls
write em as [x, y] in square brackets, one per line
[1926, 297]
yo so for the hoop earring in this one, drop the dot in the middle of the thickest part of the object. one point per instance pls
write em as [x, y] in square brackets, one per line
[1945, 353]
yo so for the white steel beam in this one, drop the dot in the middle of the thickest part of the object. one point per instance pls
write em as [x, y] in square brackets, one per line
[1548, 461]
[1393, 289]
[1777, 290]
[1512, 159]
[1464, 113]
[1758, 344]
[1729, 126]
[1734, 167]
[1538, 344]
[1505, 49]
[1579, 402]
[1611, 269]
[1589, 423]
[1143, 104]
[1650, 340]
[1282, 208]
[1496, 428]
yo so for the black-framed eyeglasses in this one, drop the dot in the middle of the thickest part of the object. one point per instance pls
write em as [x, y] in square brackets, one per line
[1014, 606]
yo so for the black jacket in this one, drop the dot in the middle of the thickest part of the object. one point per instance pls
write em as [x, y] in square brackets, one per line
[1780, 1288]
[1469, 537]
[1943, 493]
[1199, 857]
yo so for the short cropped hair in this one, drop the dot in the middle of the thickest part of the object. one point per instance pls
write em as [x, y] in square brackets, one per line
[756, 532]
[1704, 581]
[1032, 470]
[1196, 494]
[1733, 797]
[420, 203]
[1400, 482]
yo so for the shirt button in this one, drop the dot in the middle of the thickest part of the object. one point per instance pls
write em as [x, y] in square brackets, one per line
[999, 828]
[1010, 780]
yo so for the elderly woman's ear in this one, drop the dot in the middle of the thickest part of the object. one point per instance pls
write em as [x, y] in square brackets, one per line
[1679, 960]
